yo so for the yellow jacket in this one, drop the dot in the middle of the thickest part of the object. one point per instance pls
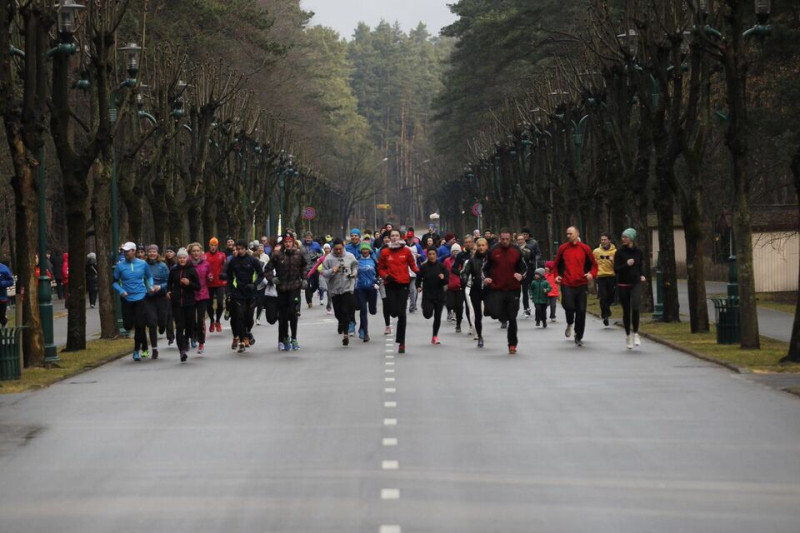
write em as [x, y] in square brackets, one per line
[605, 261]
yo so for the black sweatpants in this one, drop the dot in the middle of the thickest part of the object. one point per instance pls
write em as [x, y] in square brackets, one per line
[526, 288]
[433, 308]
[287, 314]
[163, 310]
[217, 294]
[541, 313]
[368, 305]
[573, 300]
[344, 308]
[476, 297]
[455, 302]
[200, 320]
[605, 293]
[134, 317]
[185, 316]
[509, 305]
[630, 296]
[397, 300]
[241, 317]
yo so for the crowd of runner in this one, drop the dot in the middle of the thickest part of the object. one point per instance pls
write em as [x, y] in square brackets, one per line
[187, 293]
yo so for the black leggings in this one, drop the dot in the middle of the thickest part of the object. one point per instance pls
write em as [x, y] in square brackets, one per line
[241, 317]
[455, 302]
[433, 308]
[200, 321]
[313, 285]
[184, 324]
[134, 317]
[368, 305]
[287, 314]
[630, 296]
[476, 297]
[387, 317]
[397, 300]
[344, 307]
[218, 294]
[573, 300]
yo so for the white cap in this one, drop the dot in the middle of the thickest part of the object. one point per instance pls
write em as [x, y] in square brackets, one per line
[456, 248]
[128, 246]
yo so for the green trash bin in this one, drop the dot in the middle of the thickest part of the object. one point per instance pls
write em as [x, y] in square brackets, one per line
[727, 316]
[10, 346]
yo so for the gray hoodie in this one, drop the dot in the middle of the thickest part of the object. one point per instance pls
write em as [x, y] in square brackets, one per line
[344, 280]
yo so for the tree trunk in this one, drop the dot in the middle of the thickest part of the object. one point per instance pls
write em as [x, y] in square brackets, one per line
[692, 216]
[102, 225]
[132, 198]
[25, 197]
[76, 192]
[195, 222]
[794, 344]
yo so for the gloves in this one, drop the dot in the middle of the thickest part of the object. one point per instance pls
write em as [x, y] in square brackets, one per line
[390, 280]
[276, 280]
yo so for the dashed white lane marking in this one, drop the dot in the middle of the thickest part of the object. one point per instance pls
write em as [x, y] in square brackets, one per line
[389, 370]
[390, 441]
[389, 351]
[389, 380]
[390, 465]
[389, 421]
[390, 494]
[390, 529]
[389, 363]
[390, 357]
[390, 405]
[390, 390]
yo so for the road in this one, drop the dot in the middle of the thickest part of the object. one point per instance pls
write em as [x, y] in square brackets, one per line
[441, 439]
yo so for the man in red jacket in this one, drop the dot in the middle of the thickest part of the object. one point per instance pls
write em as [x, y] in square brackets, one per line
[576, 267]
[393, 267]
[504, 269]
[216, 287]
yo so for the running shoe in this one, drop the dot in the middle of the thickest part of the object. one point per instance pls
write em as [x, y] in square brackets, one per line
[170, 341]
[458, 329]
[219, 327]
[328, 311]
[200, 348]
[629, 342]
[512, 349]
[345, 340]
[246, 342]
[137, 356]
[184, 357]
[235, 343]
[435, 340]
[526, 313]
[281, 347]
[504, 324]
[295, 345]
[155, 353]
[480, 342]
[402, 349]
[578, 342]
[194, 343]
[568, 331]
[145, 354]
[366, 337]
[605, 322]
[241, 347]
[637, 341]
[360, 333]
[258, 322]
[352, 329]
[387, 330]
[544, 324]
[287, 344]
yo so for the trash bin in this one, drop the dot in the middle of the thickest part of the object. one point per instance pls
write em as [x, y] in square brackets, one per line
[10, 346]
[727, 316]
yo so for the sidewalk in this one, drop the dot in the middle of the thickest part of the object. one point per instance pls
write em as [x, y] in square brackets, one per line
[771, 323]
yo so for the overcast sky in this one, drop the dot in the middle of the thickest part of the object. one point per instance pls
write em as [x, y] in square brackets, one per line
[344, 15]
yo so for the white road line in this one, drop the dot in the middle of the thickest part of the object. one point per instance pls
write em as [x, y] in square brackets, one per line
[389, 363]
[389, 421]
[390, 494]
[390, 405]
[389, 351]
[390, 390]
[390, 357]
[390, 465]
[390, 529]
[389, 380]
[390, 441]
[389, 371]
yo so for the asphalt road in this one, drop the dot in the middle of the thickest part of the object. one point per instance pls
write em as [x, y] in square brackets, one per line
[443, 438]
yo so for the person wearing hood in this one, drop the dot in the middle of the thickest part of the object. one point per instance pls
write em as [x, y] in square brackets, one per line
[394, 265]
[202, 298]
[133, 280]
[183, 285]
[92, 278]
[539, 290]
[472, 277]
[366, 289]
[159, 316]
[606, 276]
[628, 264]
[289, 267]
[552, 296]
[340, 268]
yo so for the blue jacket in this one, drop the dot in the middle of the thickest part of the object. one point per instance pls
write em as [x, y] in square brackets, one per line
[367, 273]
[6, 281]
[133, 278]
[443, 252]
[160, 274]
[354, 249]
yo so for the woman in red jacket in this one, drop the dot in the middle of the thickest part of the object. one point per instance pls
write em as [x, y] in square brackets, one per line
[394, 264]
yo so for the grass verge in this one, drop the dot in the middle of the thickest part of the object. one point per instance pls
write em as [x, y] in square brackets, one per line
[784, 302]
[97, 353]
[705, 345]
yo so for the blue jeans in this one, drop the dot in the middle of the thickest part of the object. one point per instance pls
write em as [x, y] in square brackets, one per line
[367, 303]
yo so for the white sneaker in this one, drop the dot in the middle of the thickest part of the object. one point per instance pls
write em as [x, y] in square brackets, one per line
[388, 330]
[637, 341]
[629, 342]
[471, 332]
[568, 332]
[258, 322]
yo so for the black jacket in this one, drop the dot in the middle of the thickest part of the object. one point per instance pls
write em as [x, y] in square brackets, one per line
[428, 280]
[473, 270]
[179, 293]
[627, 274]
[243, 275]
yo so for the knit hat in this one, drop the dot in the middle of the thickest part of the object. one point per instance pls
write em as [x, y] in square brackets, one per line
[630, 233]
[540, 271]
[449, 237]
[182, 253]
[550, 265]
[456, 248]
[355, 231]
[170, 249]
[213, 241]
[91, 256]
[328, 238]
[326, 246]
[365, 246]
[153, 247]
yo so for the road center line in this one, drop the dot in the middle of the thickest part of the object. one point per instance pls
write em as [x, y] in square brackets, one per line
[390, 494]
[390, 405]
[390, 441]
[389, 421]
[389, 380]
[390, 529]
[390, 465]
[390, 390]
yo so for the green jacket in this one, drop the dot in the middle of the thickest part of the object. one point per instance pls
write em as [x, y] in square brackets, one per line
[539, 290]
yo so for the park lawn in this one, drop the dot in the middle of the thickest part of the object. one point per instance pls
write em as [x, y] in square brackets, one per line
[767, 359]
[97, 353]
[784, 302]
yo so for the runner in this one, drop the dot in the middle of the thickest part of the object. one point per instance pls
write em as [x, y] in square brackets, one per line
[354, 248]
[366, 289]
[340, 268]
[216, 285]
[458, 266]
[92, 278]
[393, 267]
[6, 281]
[230, 247]
[454, 300]
[202, 298]
[530, 264]
[539, 289]
[472, 278]
[630, 282]
[132, 280]
[261, 296]
[289, 266]
[504, 270]
[323, 283]
[159, 319]
[312, 251]
[416, 249]
[576, 267]
[243, 273]
[431, 282]
[606, 277]
[552, 296]
[183, 285]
